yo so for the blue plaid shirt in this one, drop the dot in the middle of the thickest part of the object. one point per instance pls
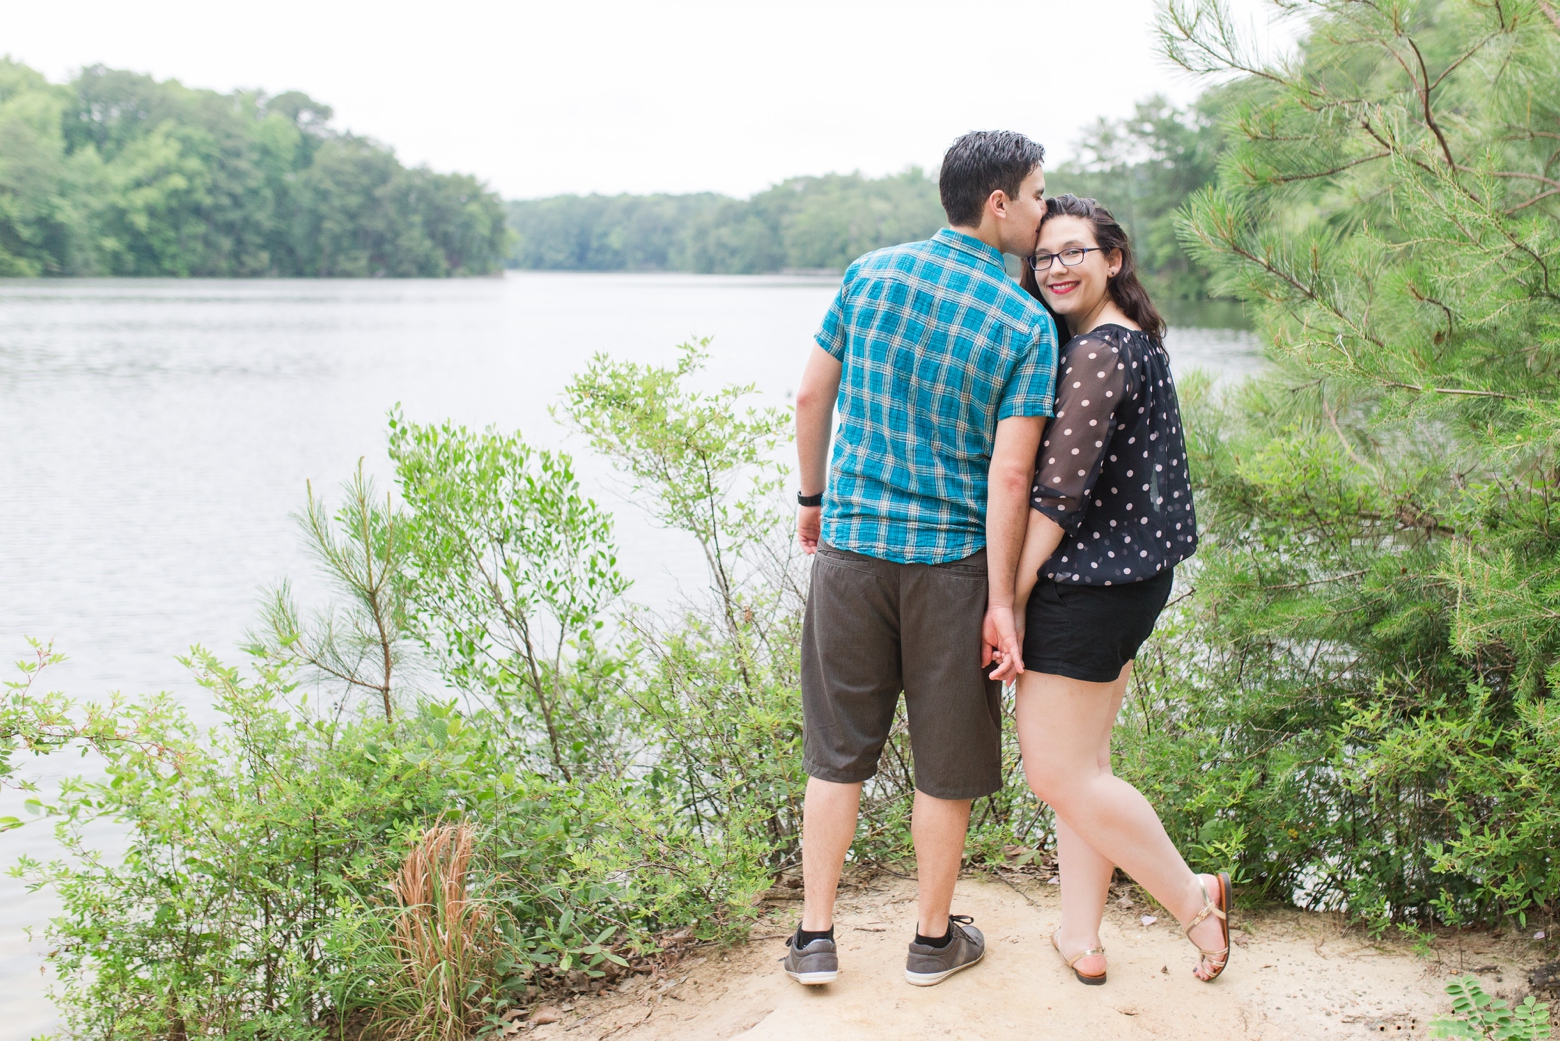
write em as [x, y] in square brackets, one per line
[937, 344]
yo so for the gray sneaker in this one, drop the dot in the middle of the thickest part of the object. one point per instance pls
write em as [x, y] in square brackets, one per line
[818, 962]
[927, 966]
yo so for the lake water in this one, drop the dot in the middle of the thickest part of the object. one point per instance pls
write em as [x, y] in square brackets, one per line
[157, 434]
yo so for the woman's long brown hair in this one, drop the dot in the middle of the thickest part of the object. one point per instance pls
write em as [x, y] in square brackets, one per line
[1125, 288]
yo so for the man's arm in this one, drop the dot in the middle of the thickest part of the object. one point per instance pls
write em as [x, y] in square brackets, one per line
[814, 421]
[1009, 481]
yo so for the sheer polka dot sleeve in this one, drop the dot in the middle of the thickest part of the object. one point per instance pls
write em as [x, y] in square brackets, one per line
[1112, 469]
[1094, 378]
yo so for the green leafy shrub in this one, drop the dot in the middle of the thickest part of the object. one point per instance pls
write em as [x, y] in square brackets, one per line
[241, 903]
[1366, 717]
[513, 570]
[1476, 1015]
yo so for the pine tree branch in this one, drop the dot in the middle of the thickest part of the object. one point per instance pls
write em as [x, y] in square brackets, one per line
[1516, 174]
[1332, 418]
[1366, 125]
[1424, 95]
[1321, 581]
[1455, 391]
[1548, 9]
[1311, 176]
[1312, 295]
[1537, 198]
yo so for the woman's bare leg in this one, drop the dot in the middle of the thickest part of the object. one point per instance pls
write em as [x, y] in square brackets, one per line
[1062, 725]
[1086, 879]
[1085, 888]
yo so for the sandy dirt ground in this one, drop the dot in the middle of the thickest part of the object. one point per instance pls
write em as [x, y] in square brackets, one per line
[1291, 975]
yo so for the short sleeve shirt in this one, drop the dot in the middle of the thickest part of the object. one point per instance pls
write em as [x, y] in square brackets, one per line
[936, 345]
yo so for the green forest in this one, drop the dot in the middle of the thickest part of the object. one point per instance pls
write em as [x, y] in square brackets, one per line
[1145, 166]
[116, 173]
[805, 223]
[474, 776]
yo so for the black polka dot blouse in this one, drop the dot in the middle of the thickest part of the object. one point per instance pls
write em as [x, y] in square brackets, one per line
[1112, 467]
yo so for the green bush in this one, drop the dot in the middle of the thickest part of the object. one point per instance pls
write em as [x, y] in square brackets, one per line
[1366, 718]
[1476, 1015]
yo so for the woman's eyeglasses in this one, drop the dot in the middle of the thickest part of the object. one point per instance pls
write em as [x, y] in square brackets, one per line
[1069, 257]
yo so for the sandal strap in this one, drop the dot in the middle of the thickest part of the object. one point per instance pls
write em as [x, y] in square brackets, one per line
[1075, 959]
[1209, 908]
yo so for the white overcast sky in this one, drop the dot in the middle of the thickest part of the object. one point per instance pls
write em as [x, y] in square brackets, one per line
[651, 95]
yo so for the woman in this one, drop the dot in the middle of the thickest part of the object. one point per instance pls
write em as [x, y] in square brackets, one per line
[1112, 516]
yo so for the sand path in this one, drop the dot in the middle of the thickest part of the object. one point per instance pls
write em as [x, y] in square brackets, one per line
[1292, 975]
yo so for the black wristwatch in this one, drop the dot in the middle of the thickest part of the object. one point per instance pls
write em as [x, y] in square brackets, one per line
[810, 500]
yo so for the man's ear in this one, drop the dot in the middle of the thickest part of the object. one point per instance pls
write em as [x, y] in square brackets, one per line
[996, 204]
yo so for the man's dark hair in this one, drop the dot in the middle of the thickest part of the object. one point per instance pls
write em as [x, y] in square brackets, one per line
[979, 163]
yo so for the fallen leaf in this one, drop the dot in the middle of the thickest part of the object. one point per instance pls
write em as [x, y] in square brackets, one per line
[545, 1014]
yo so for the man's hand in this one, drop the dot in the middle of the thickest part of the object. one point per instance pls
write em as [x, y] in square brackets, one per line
[1002, 643]
[809, 520]
[814, 419]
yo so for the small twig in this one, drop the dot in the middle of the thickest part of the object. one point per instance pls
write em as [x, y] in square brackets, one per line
[1031, 901]
[1447, 390]
[1549, 11]
[1320, 581]
[1332, 418]
[878, 866]
[1537, 198]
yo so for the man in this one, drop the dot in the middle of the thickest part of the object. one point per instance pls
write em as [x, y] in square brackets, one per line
[943, 369]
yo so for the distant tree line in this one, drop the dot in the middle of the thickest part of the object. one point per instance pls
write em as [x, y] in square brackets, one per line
[802, 223]
[1144, 167]
[116, 173]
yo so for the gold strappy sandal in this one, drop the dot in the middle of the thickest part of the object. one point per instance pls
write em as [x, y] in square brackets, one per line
[1085, 978]
[1226, 893]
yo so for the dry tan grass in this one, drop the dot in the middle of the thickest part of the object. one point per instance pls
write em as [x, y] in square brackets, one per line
[445, 940]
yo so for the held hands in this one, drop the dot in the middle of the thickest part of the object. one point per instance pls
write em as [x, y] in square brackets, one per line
[809, 520]
[1002, 644]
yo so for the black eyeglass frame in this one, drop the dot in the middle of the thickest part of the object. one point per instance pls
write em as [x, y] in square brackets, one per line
[1051, 258]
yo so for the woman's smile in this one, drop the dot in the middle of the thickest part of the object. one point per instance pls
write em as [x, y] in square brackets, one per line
[1078, 284]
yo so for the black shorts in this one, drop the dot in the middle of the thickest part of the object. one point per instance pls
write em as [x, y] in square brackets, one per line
[1089, 632]
[875, 628]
